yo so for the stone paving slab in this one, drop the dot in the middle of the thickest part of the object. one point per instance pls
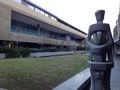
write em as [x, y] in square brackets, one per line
[115, 75]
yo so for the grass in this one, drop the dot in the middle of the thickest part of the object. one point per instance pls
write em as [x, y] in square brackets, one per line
[39, 73]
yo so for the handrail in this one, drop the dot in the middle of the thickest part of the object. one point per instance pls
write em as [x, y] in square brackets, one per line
[40, 8]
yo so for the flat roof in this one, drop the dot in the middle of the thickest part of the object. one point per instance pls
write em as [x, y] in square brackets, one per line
[59, 20]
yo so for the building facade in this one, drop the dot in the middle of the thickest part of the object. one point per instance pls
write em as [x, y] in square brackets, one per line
[22, 23]
[116, 35]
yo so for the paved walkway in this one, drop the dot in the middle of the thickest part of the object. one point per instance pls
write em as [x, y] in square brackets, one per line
[74, 82]
[115, 75]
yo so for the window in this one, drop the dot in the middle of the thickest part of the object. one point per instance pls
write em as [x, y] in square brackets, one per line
[44, 32]
[36, 9]
[24, 28]
[31, 7]
[46, 14]
[19, 1]
[42, 12]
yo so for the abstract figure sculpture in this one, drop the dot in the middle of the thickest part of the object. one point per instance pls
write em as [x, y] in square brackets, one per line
[100, 45]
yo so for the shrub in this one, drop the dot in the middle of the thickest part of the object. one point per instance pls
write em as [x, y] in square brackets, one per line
[25, 52]
[44, 49]
[12, 53]
[15, 52]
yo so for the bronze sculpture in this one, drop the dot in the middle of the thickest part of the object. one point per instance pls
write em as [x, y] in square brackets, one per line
[100, 45]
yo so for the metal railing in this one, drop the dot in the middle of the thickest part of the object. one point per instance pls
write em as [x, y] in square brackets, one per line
[46, 13]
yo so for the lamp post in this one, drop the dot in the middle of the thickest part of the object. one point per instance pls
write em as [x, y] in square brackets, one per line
[100, 45]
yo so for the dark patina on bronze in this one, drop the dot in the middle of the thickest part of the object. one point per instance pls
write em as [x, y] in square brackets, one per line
[100, 45]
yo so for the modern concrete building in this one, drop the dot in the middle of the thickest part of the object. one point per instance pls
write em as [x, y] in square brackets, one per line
[22, 23]
[116, 31]
[116, 35]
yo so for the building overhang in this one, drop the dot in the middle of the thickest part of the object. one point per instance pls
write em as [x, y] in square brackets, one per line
[14, 6]
[29, 20]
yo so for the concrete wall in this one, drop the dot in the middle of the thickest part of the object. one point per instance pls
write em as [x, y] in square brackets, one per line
[2, 55]
[5, 22]
[44, 54]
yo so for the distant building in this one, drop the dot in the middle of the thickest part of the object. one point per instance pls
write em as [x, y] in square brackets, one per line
[116, 31]
[116, 35]
[22, 23]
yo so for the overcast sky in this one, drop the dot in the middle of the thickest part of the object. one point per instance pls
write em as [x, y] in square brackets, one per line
[80, 13]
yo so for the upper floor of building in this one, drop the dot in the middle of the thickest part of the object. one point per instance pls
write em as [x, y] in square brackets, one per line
[24, 21]
[47, 14]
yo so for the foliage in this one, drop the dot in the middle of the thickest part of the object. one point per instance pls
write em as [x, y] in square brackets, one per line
[15, 52]
[25, 52]
[12, 53]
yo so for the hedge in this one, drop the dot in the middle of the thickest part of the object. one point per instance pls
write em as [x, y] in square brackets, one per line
[25, 52]
[15, 52]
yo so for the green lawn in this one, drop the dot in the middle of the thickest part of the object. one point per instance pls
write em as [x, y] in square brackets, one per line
[39, 73]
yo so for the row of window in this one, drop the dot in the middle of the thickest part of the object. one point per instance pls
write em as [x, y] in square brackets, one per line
[20, 27]
[41, 32]
[37, 10]
[19, 1]
[24, 30]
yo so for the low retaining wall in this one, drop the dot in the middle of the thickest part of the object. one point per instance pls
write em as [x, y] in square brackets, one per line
[80, 81]
[44, 54]
[2, 55]
[81, 52]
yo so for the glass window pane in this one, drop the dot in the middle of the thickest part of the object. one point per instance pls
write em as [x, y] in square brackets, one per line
[19, 1]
